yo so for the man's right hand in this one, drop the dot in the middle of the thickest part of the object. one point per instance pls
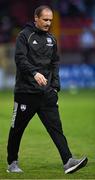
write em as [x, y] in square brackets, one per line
[41, 80]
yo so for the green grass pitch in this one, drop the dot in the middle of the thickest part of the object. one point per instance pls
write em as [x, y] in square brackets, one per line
[38, 156]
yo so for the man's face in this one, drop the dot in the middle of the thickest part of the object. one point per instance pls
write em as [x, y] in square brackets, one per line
[44, 21]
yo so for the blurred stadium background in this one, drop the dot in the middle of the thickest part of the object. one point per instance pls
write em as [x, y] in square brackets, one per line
[74, 28]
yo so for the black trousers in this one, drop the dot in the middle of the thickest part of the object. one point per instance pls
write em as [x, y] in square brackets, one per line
[46, 107]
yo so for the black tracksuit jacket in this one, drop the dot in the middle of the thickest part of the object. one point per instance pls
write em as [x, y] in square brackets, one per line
[36, 51]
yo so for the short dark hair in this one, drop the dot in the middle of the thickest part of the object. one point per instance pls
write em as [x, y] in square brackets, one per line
[39, 9]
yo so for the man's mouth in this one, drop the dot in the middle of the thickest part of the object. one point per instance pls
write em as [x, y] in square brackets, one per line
[46, 27]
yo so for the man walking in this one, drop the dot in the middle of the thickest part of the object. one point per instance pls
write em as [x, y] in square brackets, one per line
[37, 84]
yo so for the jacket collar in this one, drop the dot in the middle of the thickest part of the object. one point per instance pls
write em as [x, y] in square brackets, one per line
[32, 27]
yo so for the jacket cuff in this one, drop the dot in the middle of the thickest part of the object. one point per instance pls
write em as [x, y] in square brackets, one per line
[34, 73]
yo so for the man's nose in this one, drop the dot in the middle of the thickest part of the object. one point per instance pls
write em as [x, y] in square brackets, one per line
[48, 23]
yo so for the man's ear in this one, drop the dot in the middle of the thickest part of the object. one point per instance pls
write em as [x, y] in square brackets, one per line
[36, 18]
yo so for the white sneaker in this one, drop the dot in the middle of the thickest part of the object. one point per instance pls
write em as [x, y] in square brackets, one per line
[13, 167]
[74, 164]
